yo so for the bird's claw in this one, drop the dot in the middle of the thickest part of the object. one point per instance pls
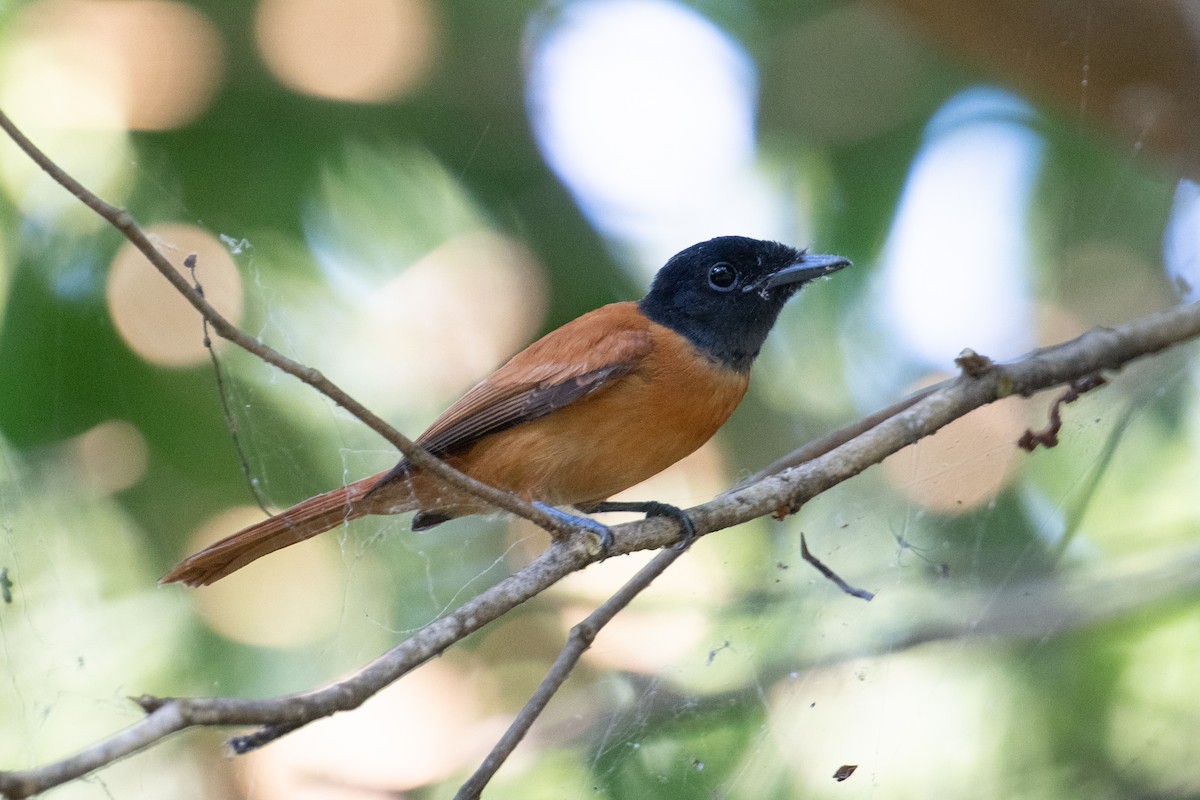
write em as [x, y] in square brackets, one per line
[604, 535]
[653, 508]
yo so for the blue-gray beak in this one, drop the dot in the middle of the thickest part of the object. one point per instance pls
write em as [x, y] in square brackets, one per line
[808, 268]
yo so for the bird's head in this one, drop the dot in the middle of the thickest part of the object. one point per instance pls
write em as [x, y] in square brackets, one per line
[725, 294]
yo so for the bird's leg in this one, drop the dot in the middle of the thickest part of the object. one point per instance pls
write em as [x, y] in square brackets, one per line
[597, 529]
[651, 508]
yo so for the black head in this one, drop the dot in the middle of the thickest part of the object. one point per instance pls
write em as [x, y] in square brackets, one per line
[725, 294]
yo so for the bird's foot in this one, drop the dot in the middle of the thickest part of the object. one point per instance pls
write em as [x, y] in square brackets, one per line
[652, 508]
[603, 534]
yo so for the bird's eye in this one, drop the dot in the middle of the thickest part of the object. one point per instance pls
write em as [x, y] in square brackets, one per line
[722, 276]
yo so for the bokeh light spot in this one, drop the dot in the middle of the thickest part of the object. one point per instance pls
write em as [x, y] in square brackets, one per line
[965, 463]
[416, 731]
[884, 713]
[136, 64]
[151, 316]
[290, 599]
[1181, 241]
[646, 111]
[645, 641]
[112, 456]
[356, 50]
[956, 262]
[452, 316]
[98, 158]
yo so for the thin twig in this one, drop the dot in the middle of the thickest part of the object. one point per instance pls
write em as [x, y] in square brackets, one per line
[123, 222]
[1048, 436]
[580, 639]
[1099, 349]
[829, 574]
[819, 447]
[223, 394]
[1037, 610]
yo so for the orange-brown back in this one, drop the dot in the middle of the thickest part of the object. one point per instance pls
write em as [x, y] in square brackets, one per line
[662, 401]
[586, 411]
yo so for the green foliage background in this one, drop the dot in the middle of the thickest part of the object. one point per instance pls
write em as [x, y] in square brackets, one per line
[952, 683]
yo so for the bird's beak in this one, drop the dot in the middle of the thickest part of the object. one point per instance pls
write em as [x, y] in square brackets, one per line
[810, 267]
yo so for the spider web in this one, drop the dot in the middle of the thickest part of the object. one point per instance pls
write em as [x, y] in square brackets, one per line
[1031, 641]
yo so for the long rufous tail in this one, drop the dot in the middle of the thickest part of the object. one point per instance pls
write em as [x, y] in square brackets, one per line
[302, 521]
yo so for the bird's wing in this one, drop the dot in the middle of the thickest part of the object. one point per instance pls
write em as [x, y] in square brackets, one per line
[568, 364]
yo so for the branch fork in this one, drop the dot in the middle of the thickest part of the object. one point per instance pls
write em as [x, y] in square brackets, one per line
[782, 487]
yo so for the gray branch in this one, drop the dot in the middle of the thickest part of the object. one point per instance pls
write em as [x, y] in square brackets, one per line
[1097, 350]
[777, 493]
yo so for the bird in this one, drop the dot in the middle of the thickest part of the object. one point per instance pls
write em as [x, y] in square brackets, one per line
[594, 407]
